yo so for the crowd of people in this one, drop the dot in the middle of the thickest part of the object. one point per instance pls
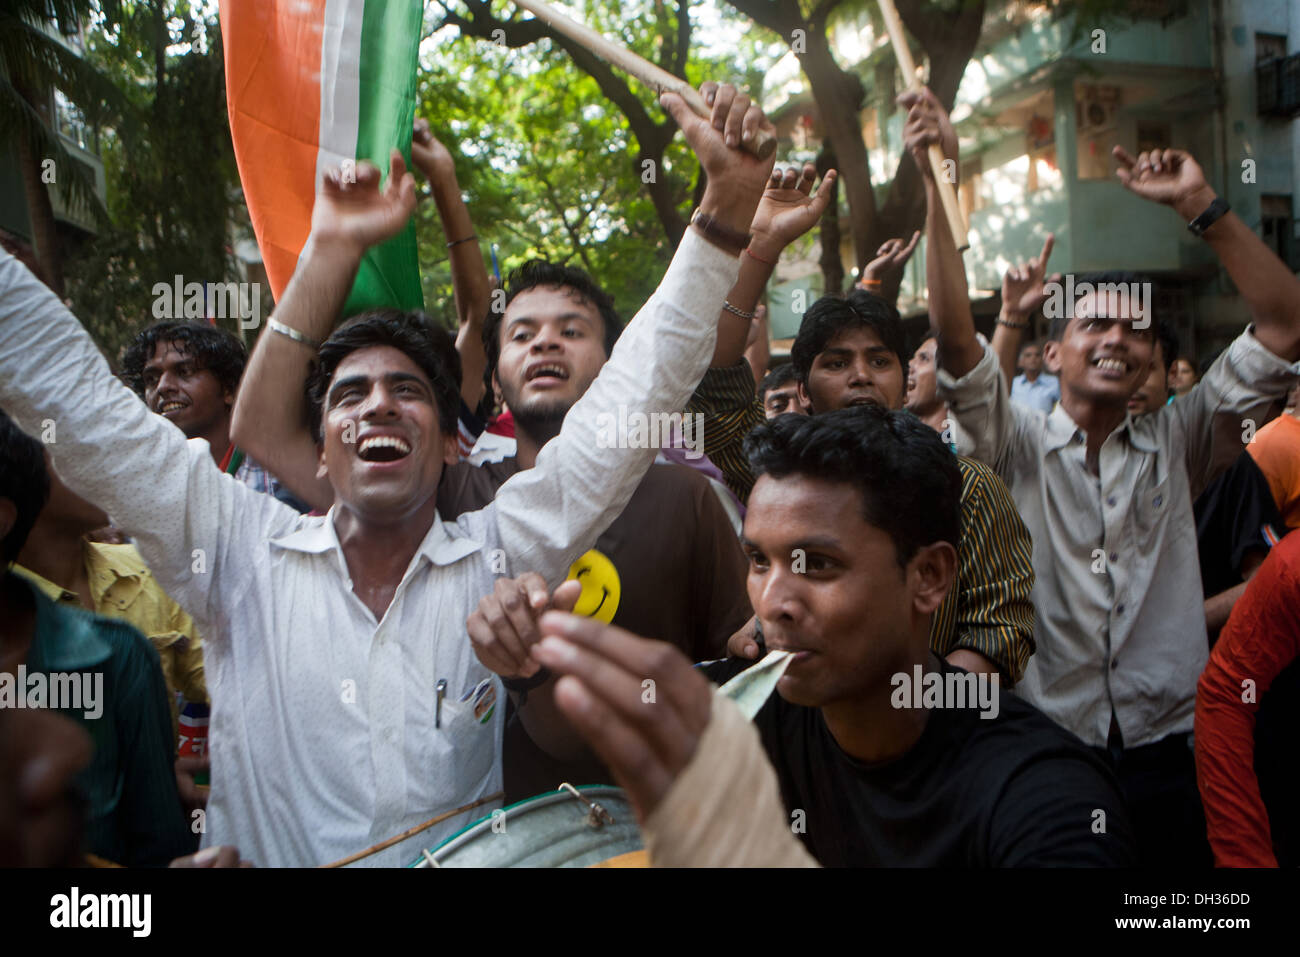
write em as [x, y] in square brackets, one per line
[410, 573]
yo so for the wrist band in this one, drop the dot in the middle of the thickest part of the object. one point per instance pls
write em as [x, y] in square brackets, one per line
[719, 233]
[521, 685]
[765, 262]
[1212, 214]
[1013, 325]
[737, 312]
[457, 242]
[293, 334]
[870, 285]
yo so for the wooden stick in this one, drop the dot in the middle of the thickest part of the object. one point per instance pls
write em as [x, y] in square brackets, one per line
[352, 858]
[947, 194]
[659, 80]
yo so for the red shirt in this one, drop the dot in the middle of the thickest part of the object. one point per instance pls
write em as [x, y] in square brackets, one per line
[1260, 639]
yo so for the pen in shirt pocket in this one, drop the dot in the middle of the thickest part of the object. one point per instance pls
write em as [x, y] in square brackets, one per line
[441, 688]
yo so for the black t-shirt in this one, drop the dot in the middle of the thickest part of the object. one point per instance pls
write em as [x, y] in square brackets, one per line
[682, 580]
[1235, 514]
[1016, 790]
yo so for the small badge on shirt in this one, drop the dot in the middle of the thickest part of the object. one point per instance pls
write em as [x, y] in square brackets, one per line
[484, 696]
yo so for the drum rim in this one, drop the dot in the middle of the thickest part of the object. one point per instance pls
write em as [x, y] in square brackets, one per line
[605, 789]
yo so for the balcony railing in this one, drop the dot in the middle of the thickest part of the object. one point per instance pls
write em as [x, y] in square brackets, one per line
[1277, 86]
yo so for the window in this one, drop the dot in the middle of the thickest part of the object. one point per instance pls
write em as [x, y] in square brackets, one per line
[1269, 46]
[1277, 227]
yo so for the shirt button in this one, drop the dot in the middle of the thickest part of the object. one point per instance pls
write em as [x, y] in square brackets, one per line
[1114, 663]
[1119, 610]
[1159, 499]
[1114, 557]
[1111, 501]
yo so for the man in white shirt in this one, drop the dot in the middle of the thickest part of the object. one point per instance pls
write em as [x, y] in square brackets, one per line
[1108, 498]
[348, 704]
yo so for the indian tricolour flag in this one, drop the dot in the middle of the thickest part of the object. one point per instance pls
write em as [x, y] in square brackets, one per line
[312, 84]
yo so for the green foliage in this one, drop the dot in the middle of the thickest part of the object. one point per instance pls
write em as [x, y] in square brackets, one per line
[548, 163]
[170, 170]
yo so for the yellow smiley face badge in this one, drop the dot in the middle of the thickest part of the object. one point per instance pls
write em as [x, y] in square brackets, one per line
[600, 586]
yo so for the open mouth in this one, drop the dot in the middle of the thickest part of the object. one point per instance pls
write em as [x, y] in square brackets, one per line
[383, 448]
[548, 372]
[171, 405]
[1116, 366]
[862, 400]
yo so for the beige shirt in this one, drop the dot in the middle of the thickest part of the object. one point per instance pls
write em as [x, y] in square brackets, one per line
[1120, 621]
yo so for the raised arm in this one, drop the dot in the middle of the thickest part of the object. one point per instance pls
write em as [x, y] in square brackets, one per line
[1272, 292]
[469, 277]
[951, 320]
[546, 516]
[970, 378]
[270, 416]
[1023, 291]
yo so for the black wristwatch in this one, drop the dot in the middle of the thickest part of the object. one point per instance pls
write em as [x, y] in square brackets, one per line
[1212, 214]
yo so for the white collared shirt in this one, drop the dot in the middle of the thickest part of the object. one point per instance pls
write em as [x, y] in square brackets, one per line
[1120, 620]
[324, 733]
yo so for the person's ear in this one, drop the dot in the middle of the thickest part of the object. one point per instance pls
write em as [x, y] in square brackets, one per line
[322, 470]
[801, 393]
[1052, 357]
[450, 448]
[932, 573]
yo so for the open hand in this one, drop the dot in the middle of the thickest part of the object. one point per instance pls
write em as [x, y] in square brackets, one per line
[352, 210]
[789, 208]
[428, 154]
[892, 254]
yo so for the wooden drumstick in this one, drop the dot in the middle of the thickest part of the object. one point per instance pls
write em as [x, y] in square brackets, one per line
[903, 54]
[660, 80]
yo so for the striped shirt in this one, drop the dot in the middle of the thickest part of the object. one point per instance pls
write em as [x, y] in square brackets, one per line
[988, 610]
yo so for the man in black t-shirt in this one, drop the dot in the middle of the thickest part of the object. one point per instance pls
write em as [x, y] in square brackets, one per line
[885, 755]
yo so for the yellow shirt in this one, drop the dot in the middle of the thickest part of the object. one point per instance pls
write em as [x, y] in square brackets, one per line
[123, 588]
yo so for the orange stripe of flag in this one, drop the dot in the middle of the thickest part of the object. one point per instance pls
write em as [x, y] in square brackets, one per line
[273, 62]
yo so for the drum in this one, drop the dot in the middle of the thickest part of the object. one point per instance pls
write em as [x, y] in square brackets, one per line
[568, 827]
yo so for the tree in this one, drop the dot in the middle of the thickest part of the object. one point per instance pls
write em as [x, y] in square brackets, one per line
[172, 181]
[947, 31]
[33, 63]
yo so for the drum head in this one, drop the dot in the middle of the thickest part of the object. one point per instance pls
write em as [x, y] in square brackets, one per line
[551, 830]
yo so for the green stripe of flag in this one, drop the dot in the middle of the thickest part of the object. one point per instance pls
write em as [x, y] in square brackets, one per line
[390, 41]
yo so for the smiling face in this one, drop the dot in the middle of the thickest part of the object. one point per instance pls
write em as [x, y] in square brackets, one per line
[855, 368]
[826, 585]
[383, 448]
[552, 348]
[1102, 359]
[176, 388]
[922, 383]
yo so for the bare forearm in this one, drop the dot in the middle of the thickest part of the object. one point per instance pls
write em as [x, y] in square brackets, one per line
[270, 415]
[1271, 290]
[951, 321]
[1219, 607]
[759, 352]
[1006, 342]
[733, 330]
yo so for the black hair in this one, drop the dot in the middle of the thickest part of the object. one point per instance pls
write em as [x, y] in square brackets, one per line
[1169, 344]
[830, 315]
[24, 480]
[776, 377]
[908, 478]
[213, 348]
[1113, 276]
[539, 272]
[422, 340]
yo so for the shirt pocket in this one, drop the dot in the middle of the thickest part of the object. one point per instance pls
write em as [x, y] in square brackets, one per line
[1151, 505]
[467, 730]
